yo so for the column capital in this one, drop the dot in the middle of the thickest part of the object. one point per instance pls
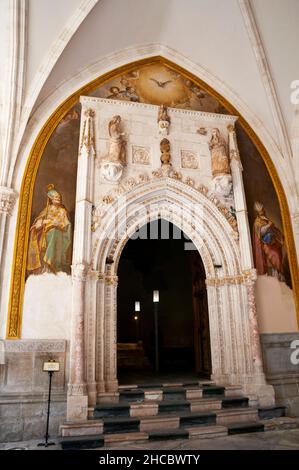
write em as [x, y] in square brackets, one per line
[79, 271]
[250, 275]
[231, 129]
[8, 197]
[111, 280]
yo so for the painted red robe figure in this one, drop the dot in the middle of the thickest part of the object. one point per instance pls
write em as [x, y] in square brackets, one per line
[267, 245]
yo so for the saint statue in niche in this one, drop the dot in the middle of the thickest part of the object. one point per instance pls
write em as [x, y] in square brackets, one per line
[113, 162]
[220, 161]
[163, 120]
[117, 145]
[50, 238]
[267, 245]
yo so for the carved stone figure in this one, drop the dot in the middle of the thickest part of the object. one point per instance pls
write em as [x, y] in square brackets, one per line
[220, 160]
[112, 164]
[165, 152]
[163, 120]
[223, 186]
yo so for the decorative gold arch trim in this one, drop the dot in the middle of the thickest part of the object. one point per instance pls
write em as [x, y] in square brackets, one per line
[26, 193]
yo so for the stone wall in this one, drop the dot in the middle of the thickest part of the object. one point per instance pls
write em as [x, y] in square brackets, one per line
[280, 372]
[24, 388]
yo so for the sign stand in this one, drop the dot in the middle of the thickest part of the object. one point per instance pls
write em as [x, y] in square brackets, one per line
[51, 366]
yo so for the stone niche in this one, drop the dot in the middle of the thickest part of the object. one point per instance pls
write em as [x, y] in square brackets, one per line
[24, 388]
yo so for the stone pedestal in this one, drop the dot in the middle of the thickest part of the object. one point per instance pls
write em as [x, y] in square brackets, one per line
[77, 408]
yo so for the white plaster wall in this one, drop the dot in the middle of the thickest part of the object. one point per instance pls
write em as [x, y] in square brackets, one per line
[47, 307]
[275, 306]
[280, 35]
[46, 20]
[208, 32]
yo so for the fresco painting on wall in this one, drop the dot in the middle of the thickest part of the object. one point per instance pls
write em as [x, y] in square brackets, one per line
[159, 85]
[53, 205]
[50, 237]
[267, 241]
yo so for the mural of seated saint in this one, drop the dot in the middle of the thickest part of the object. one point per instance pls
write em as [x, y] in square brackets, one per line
[267, 245]
[50, 239]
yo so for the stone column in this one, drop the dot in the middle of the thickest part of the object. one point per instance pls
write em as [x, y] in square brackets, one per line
[8, 199]
[111, 383]
[77, 403]
[240, 201]
[257, 383]
[100, 345]
[90, 334]
[250, 279]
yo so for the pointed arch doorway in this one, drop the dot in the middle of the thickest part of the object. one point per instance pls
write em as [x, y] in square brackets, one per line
[160, 256]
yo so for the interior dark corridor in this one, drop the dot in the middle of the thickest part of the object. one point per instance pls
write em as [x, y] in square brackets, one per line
[160, 257]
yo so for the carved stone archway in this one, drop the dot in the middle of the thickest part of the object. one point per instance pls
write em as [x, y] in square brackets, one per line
[235, 354]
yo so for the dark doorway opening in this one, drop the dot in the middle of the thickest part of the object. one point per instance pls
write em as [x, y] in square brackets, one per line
[160, 257]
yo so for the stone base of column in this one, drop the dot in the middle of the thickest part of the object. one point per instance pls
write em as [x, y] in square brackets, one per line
[254, 387]
[101, 386]
[77, 408]
[264, 393]
[111, 385]
[92, 393]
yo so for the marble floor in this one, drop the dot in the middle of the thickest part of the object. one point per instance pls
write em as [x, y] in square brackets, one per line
[272, 440]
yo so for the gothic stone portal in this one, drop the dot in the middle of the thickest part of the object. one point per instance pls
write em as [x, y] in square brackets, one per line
[107, 215]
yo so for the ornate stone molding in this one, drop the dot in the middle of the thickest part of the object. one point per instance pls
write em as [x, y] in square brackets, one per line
[87, 143]
[127, 185]
[8, 199]
[32, 345]
[247, 277]
[76, 389]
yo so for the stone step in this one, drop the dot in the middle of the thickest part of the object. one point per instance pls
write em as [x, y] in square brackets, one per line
[242, 428]
[82, 442]
[168, 434]
[174, 406]
[174, 393]
[88, 428]
[232, 402]
[176, 432]
[212, 390]
[206, 432]
[152, 408]
[121, 425]
[103, 410]
[131, 395]
[195, 419]
[268, 412]
[236, 415]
